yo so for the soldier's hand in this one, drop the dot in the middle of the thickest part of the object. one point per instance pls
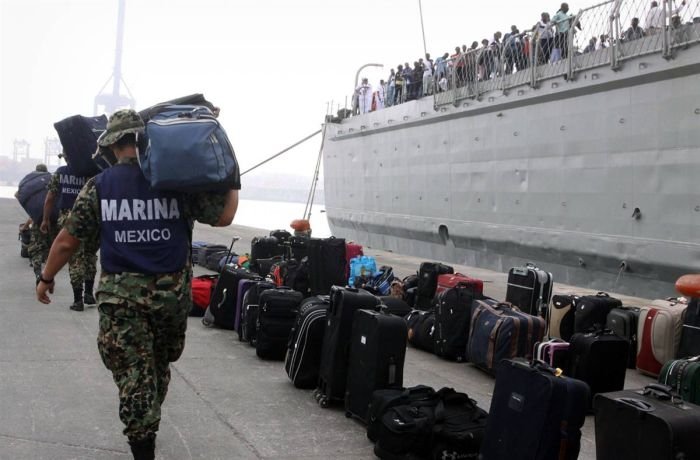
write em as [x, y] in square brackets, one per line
[41, 291]
[44, 228]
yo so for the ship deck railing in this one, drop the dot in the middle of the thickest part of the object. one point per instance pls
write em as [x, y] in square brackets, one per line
[520, 60]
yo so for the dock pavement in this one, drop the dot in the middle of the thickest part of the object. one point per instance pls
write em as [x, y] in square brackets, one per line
[58, 402]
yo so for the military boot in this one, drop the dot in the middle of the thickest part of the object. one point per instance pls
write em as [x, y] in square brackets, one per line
[88, 297]
[143, 449]
[77, 304]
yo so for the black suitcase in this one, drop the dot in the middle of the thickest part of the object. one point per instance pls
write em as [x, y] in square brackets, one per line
[529, 289]
[326, 264]
[427, 282]
[690, 337]
[303, 358]
[623, 322]
[276, 314]
[535, 414]
[295, 275]
[223, 301]
[377, 353]
[394, 306]
[78, 136]
[649, 424]
[453, 314]
[599, 359]
[421, 330]
[592, 311]
[333, 373]
[249, 311]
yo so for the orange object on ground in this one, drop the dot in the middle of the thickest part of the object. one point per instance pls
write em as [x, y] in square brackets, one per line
[300, 225]
[689, 285]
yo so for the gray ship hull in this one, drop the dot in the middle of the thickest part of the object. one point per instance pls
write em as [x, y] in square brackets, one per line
[550, 175]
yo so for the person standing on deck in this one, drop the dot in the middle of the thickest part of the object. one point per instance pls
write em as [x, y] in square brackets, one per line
[144, 294]
[364, 94]
[64, 187]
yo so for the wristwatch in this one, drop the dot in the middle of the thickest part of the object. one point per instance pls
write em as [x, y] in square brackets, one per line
[41, 279]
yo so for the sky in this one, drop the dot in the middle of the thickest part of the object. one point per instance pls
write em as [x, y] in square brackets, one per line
[273, 66]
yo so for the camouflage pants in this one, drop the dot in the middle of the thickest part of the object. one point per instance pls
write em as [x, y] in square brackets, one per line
[83, 264]
[138, 343]
[39, 245]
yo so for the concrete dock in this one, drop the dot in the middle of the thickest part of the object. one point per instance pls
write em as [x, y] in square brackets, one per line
[57, 401]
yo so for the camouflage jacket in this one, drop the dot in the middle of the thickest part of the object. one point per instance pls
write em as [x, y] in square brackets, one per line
[84, 224]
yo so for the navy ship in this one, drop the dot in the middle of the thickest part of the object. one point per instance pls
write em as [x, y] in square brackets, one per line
[587, 163]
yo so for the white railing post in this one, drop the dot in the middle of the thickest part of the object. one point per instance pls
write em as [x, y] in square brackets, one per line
[665, 29]
[534, 55]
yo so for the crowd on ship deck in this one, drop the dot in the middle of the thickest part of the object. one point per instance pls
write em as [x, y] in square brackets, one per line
[503, 54]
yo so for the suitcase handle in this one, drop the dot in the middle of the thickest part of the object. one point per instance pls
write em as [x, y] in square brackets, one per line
[638, 404]
[602, 294]
[661, 392]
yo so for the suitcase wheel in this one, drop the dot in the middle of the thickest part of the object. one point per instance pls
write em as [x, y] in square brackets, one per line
[323, 401]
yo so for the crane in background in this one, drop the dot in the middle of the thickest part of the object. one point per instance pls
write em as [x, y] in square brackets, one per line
[110, 102]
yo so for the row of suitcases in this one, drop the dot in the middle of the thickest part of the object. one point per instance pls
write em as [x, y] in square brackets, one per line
[351, 377]
[659, 332]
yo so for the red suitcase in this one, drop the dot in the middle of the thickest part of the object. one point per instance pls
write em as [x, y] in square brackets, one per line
[449, 281]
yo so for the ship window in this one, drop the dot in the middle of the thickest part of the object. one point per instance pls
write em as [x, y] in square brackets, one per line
[444, 234]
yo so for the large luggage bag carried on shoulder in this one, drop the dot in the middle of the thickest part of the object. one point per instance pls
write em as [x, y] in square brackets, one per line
[659, 334]
[188, 135]
[428, 274]
[377, 353]
[453, 314]
[690, 334]
[624, 322]
[683, 376]
[31, 194]
[648, 424]
[333, 373]
[536, 414]
[500, 331]
[78, 136]
[249, 311]
[276, 314]
[529, 289]
[421, 330]
[326, 264]
[561, 316]
[599, 359]
[223, 301]
[303, 359]
[592, 311]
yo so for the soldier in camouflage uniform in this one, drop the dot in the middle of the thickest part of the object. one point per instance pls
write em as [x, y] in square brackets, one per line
[39, 246]
[64, 187]
[144, 294]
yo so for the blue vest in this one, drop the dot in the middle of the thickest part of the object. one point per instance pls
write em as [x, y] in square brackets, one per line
[141, 230]
[70, 186]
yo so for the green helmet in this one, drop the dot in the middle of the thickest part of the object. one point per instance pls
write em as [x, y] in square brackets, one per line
[41, 167]
[120, 123]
